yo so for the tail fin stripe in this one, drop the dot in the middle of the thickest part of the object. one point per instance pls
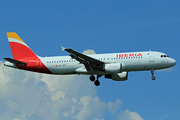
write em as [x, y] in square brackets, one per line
[14, 35]
[17, 41]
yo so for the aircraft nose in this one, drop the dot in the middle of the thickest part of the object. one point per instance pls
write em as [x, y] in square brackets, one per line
[173, 62]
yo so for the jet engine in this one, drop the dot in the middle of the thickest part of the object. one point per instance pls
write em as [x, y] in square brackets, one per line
[118, 76]
[113, 68]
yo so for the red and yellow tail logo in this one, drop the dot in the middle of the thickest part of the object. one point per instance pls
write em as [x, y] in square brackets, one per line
[19, 48]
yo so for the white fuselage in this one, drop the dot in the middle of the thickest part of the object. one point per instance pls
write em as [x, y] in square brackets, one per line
[130, 61]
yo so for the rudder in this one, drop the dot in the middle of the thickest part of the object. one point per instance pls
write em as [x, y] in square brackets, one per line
[19, 48]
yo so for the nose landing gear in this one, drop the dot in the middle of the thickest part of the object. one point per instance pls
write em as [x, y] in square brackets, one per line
[96, 82]
[152, 73]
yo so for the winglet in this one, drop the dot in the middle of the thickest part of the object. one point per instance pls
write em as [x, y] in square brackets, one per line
[63, 48]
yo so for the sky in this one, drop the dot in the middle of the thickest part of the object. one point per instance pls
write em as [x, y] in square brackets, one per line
[105, 26]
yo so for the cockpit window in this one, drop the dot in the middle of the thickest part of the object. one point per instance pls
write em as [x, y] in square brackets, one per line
[164, 56]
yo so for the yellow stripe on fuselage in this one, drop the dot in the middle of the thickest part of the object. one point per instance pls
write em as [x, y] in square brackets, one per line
[14, 35]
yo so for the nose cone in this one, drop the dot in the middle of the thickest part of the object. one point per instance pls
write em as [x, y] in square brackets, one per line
[172, 62]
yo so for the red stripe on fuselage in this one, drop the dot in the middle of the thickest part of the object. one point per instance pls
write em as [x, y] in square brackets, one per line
[32, 66]
[25, 54]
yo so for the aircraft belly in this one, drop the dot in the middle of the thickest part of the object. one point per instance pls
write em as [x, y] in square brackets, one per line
[143, 66]
[64, 69]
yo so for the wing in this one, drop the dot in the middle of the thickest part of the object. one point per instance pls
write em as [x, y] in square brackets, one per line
[90, 63]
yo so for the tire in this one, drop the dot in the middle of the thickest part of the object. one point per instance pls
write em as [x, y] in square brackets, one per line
[97, 83]
[153, 77]
[92, 78]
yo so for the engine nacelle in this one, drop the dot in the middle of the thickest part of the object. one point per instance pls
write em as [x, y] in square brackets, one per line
[113, 68]
[118, 76]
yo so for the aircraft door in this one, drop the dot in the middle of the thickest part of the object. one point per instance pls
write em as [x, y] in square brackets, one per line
[151, 57]
[38, 63]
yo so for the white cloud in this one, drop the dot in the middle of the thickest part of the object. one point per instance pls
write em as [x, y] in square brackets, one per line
[88, 52]
[21, 93]
[114, 106]
[57, 95]
[34, 96]
[16, 119]
[73, 85]
[90, 108]
[128, 115]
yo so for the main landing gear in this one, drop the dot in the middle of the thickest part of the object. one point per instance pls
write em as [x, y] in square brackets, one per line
[152, 73]
[96, 82]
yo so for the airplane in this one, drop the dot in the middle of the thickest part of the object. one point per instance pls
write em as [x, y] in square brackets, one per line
[115, 66]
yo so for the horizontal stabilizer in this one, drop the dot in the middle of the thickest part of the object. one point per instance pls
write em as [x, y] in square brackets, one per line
[15, 61]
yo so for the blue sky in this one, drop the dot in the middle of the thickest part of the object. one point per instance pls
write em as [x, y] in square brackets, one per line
[105, 27]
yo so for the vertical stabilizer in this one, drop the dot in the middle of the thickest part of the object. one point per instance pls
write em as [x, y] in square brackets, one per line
[19, 48]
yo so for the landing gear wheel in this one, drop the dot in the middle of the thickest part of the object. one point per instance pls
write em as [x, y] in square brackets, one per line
[92, 78]
[152, 73]
[153, 77]
[97, 83]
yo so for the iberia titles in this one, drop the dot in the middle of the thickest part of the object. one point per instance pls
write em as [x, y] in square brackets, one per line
[129, 55]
